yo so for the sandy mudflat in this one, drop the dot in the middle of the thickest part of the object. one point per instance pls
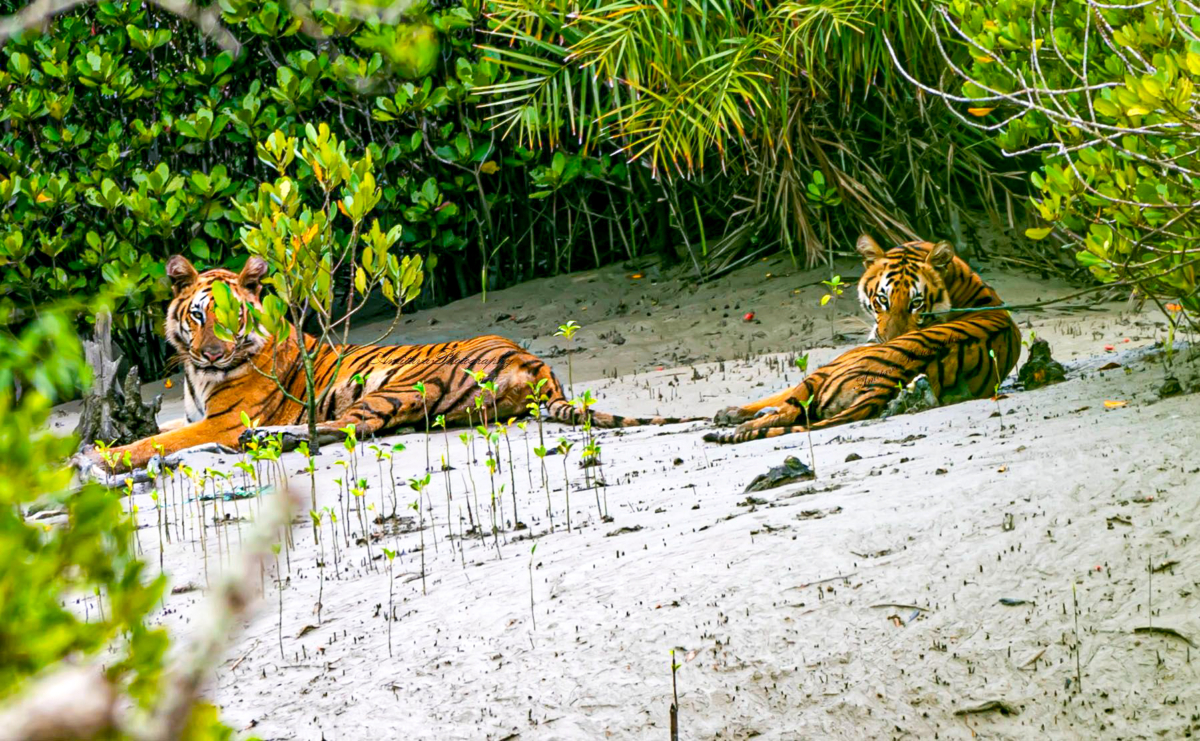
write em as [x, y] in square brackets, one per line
[865, 604]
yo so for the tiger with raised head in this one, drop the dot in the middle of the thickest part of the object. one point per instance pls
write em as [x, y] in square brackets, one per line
[222, 379]
[908, 289]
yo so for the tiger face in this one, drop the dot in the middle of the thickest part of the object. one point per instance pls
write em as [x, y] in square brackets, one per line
[191, 316]
[900, 285]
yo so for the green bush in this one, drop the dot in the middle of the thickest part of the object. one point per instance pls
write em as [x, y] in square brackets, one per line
[1105, 96]
[75, 590]
[769, 125]
[124, 135]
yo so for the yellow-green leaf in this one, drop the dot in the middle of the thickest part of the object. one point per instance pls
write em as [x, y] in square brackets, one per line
[1036, 233]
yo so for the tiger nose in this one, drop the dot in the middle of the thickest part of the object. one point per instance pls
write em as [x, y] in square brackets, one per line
[212, 355]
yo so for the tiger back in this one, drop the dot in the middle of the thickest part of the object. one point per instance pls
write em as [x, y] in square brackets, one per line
[910, 291]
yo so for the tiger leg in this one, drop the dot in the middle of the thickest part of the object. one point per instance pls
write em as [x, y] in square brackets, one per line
[220, 431]
[866, 407]
[777, 409]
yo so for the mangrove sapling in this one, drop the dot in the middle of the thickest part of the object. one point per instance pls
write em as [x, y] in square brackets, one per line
[567, 331]
[379, 456]
[674, 699]
[419, 387]
[350, 442]
[316, 520]
[397, 449]
[418, 485]
[158, 511]
[490, 387]
[836, 287]
[512, 476]
[494, 446]
[310, 467]
[440, 421]
[588, 456]
[528, 452]
[564, 447]
[466, 439]
[536, 398]
[391, 556]
[1075, 610]
[812, 456]
[449, 498]
[996, 388]
[481, 409]
[331, 513]
[279, 590]
[360, 494]
[532, 614]
[491, 466]
[541, 451]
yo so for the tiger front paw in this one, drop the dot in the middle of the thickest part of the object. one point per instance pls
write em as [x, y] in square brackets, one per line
[289, 437]
[88, 465]
[730, 416]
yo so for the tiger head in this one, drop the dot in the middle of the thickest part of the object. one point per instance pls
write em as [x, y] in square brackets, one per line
[901, 285]
[191, 316]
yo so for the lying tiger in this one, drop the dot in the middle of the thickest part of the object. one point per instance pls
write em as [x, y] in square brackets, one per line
[220, 380]
[964, 355]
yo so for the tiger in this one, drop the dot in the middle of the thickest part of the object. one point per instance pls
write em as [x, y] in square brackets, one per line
[373, 389]
[909, 290]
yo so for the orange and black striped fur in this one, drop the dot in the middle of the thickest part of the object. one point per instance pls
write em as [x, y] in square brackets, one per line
[221, 380]
[962, 354]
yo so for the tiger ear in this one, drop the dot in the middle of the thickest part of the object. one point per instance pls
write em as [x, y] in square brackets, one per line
[181, 272]
[940, 255]
[252, 274]
[869, 249]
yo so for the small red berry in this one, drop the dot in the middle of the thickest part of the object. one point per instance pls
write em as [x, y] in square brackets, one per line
[749, 317]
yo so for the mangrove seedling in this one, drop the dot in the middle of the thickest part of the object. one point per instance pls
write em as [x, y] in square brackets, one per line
[541, 451]
[567, 331]
[316, 521]
[835, 288]
[391, 556]
[418, 485]
[419, 387]
[812, 457]
[532, 614]
[564, 447]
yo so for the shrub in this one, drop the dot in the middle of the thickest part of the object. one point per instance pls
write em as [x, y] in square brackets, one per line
[77, 590]
[1105, 96]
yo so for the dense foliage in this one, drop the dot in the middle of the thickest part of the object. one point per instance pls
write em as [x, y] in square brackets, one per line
[1106, 95]
[501, 139]
[76, 589]
[771, 125]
